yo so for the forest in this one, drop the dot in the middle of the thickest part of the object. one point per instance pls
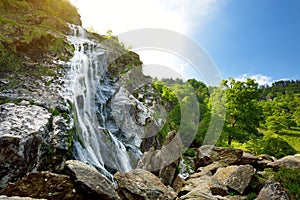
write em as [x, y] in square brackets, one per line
[258, 119]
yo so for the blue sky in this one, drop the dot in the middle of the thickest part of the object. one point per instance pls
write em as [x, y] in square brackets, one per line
[244, 38]
[255, 37]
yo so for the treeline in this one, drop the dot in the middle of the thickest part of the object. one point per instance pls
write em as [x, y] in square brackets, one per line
[247, 110]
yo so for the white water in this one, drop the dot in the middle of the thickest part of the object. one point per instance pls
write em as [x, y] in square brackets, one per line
[87, 88]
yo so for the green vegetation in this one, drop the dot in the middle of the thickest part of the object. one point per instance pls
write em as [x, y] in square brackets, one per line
[255, 122]
[31, 29]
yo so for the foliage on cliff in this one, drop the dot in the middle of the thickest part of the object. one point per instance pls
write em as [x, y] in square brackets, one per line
[32, 31]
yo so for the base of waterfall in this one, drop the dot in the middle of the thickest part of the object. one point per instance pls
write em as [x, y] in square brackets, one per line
[220, 178]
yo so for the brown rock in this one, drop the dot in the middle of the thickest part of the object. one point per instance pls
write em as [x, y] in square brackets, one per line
[140, 184]
[208, 154]
[44, 185]
[235, 177]
[3, 197]
[88, 180]
[272, 191]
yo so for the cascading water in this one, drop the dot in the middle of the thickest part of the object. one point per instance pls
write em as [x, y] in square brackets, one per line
[88, 89]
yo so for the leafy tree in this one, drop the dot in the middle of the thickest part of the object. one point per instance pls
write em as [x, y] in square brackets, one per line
[276, 147]
[243, 112]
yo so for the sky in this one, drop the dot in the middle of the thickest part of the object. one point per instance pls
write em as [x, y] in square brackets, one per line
[243, 38]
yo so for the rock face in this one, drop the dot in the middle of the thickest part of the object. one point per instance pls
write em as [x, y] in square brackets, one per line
[43, 185]
[208, 154]
[272, 191]
[235, 177]
[22, 131]
[90, 182]
[139, 184]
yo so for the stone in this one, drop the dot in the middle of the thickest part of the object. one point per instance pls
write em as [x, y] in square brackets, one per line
[211, 167]
[286, 162]
[237, 197]
[23, 129]
[168, 173]
[43, 185]
[91, 182]
[3, 197]
[178, 184]
[246, 159]
[208, 154]
[165, 161]
[140, 184]
[235, 177]
[272, 191]
[207, 184]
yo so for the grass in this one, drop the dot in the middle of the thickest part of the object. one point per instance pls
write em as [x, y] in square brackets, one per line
[292, 136]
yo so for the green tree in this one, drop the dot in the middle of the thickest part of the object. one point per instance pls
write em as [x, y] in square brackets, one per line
[243, 112]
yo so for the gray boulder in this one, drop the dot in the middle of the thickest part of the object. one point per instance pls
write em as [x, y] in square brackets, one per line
[23, 129]
[140, 184]
[208, 154]
[90, 182]
[272, 191]
[235, 177]
[286, 162]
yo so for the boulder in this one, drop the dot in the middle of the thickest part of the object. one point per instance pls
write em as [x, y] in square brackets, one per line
[286, 162]
[272, 191]
[163, 162]
[235, 177]
[43, 185]
[237, 197]
[208, 154]
[168, 173]
[23, 129]
[205, 184]
[140, 184]
[90, 182]
[246, 159]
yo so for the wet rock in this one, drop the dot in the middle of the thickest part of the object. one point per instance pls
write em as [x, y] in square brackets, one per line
[140, 184]
[43, 185]
[235, 177]
[272, 191]
[23, 129]
[90, 182]
[208, 154]
[286, 162]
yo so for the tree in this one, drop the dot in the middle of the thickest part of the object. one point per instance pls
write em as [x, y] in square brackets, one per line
[242, 110]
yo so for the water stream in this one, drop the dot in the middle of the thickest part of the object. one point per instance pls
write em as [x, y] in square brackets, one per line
[89, 90]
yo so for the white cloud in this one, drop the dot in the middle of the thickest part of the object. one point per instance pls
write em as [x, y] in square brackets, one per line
[121, 16]
[260, 79]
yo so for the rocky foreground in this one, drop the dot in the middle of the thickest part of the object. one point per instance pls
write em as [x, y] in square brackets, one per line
[220, 174]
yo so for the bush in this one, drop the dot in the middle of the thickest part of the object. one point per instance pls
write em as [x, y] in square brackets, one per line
[290, 180]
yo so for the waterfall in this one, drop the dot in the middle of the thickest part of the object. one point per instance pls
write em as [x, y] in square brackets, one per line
[89, 90]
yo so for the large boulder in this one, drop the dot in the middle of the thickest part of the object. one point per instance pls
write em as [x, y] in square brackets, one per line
[140, 184]
[163, 162]
[206, 184]
[272, 191]
[89, 181]
[208, 154]
[43, 185]
[235, 177]
[23, 129]
[286, 162]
